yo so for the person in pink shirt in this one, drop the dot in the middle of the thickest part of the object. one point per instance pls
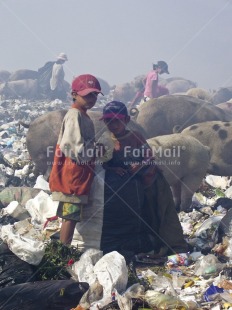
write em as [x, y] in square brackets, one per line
[152, 89]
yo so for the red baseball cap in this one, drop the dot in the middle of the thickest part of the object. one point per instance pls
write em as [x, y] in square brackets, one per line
[85, 84]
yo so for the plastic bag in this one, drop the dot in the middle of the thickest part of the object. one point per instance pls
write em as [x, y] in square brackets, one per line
[162, 301]
[24, 241]
[83, 270]
[208, 265]
[41, 183]
[135, 291]
[112, 273]
[41, 207]
[94, 293]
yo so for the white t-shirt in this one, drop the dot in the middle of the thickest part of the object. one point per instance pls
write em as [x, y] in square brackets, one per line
[56, 81]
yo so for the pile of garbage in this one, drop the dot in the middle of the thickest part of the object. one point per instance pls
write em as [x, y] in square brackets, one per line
[30, 252]
[37, 272]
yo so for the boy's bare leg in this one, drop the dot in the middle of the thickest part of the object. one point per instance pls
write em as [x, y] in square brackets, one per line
[67, 231]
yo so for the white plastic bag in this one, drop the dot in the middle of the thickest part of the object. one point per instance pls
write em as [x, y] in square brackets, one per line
[41, 207]
[110, 271]
[84, 268]
[41, 183]
[24, 241]
[112, 274]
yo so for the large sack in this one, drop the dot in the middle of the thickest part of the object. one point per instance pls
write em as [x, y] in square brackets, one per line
[87, 233]
[161, 217]
[45, 295]
[123, 202]
[112, 219]
[102, 226]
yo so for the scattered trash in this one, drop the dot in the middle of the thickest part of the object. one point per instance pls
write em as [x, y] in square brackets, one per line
[28, 222]
[208, 265]
[178, 260]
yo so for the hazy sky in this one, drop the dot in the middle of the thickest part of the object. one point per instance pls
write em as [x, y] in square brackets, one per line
[117, 40]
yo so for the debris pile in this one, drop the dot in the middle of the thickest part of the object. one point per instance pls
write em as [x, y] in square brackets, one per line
[29, 229]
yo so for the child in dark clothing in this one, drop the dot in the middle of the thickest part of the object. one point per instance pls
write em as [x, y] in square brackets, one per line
[131, 153]
[127, 173]
[137, 217]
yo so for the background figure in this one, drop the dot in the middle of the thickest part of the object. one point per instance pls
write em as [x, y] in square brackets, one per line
[152, 89]
[57, 79]
[51, 79]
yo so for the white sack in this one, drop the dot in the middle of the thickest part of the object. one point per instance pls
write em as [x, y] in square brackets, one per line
[112, 274]
[88, 232]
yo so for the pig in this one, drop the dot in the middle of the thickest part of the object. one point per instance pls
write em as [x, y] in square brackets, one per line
[199, 93]
[226, 106]
[4, 76]
[184, 162]
[179, 86]
[23, 74]
[216, 135]
[159, 116]
[26, 89]
[223, 94]
[124, 92]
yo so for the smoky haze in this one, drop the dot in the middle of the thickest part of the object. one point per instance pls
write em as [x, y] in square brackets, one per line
[119, 40]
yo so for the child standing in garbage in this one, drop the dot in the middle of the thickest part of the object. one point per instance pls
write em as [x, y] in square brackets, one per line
[127, 173]
[139, 211]
[73, 167]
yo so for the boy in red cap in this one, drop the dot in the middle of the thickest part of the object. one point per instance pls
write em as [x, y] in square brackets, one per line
[73, 167]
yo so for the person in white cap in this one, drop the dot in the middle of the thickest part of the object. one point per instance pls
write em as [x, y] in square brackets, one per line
[57, 79]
